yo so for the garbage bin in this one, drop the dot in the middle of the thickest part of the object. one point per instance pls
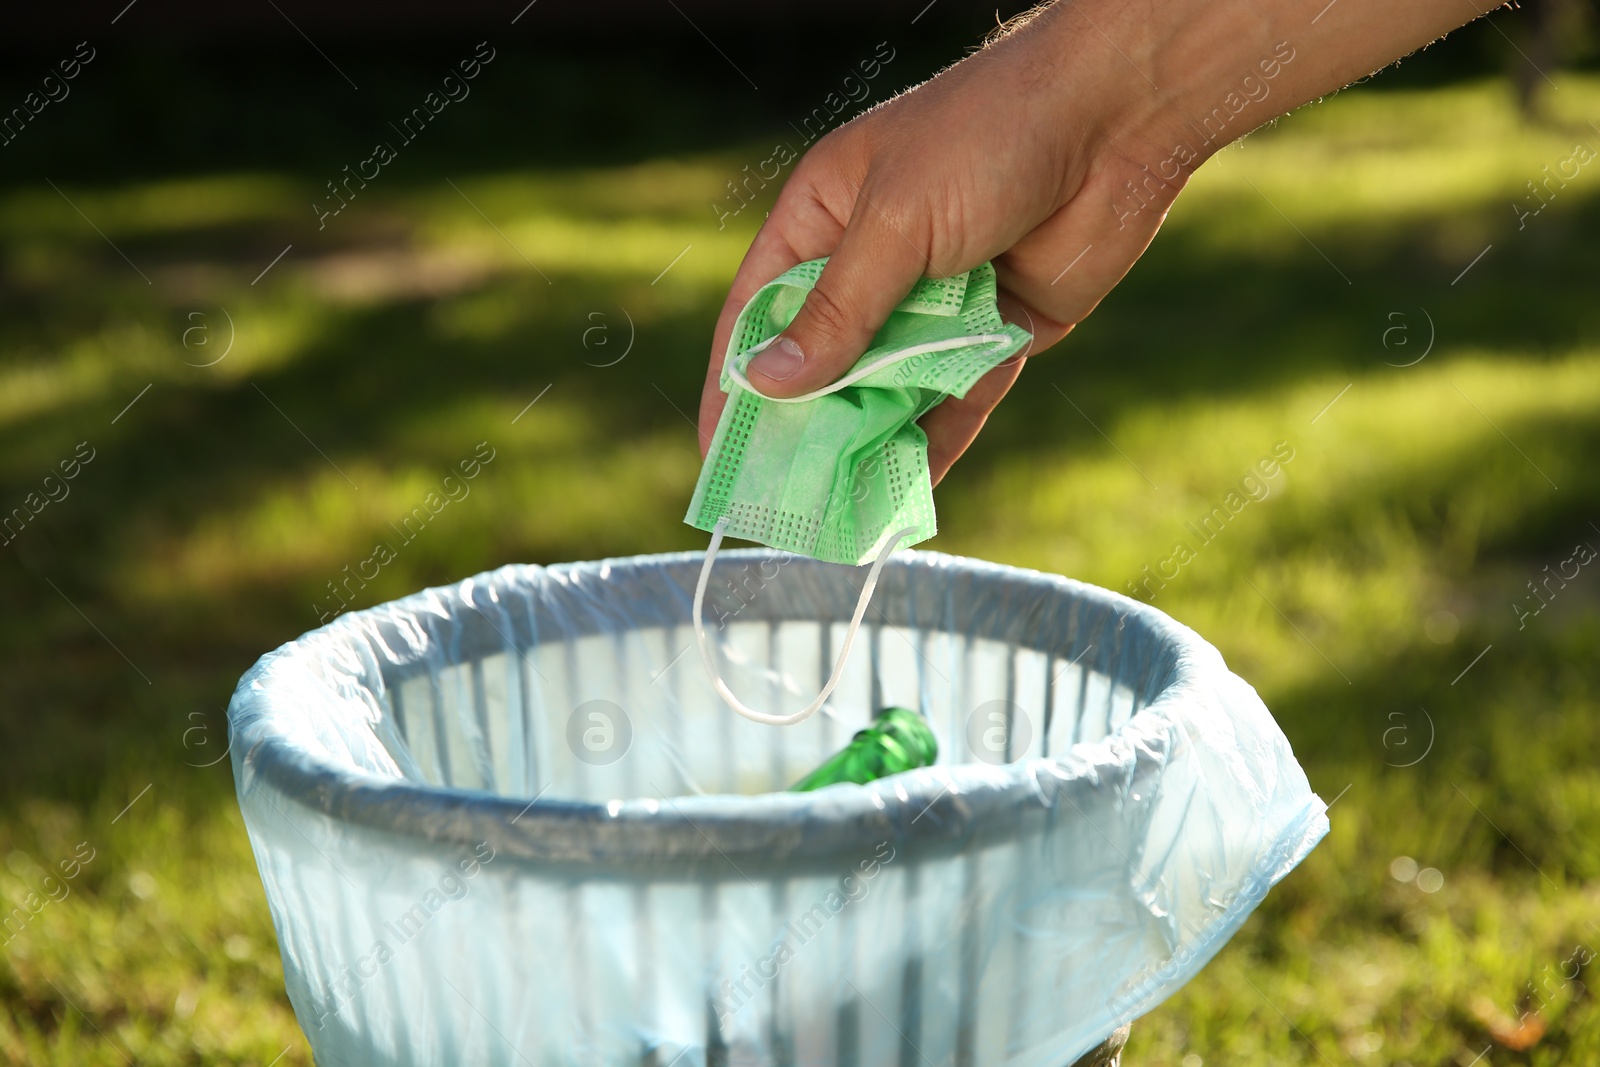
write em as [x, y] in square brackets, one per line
[508, 821]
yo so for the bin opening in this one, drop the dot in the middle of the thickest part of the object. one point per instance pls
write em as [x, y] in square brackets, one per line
[559, 720]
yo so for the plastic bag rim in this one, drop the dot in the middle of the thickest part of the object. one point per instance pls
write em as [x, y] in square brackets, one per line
[937, 802]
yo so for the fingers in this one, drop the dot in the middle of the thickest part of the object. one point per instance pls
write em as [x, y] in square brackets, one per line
[1043, 329]
[1067, 264]
[797, 230]
[769, 255]
[955, 422]
[1050, 280]
[953, 425]
[874, 267]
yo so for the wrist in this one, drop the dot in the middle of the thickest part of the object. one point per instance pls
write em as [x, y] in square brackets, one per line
[1168, 88]
[1177, 80]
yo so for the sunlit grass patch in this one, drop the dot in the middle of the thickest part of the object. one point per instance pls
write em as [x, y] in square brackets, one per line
[1382, 159]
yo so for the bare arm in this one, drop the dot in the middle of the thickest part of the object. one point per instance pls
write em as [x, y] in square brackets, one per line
[1056, 152]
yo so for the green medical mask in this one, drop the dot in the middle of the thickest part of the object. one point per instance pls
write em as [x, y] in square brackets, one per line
[841, 474]
[835, 473]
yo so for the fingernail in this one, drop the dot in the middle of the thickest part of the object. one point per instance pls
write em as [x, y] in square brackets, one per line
[779, 360]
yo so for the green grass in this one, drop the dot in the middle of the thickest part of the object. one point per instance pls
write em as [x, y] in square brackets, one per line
[1386, 557]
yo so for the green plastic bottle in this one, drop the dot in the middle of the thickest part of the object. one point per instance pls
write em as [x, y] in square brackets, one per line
[898, 740]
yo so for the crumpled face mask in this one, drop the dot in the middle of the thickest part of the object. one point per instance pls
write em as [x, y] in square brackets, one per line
[841, 474]
[833, 473]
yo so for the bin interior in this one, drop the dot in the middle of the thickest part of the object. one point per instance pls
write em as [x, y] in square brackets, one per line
[630, 713]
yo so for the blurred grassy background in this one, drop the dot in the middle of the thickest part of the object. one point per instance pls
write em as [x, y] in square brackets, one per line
[558, 218]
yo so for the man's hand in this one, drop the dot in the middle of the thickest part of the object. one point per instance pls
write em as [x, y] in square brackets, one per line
[1055, 152]
[1000, 157]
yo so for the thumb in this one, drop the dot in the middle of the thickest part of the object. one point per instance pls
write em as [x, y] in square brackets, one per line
[869, 274]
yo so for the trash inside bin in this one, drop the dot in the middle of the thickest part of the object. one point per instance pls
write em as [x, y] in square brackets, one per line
[508, 821]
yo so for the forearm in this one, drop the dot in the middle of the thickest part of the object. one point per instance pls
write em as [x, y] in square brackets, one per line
[1055, 153]
[1179, 79]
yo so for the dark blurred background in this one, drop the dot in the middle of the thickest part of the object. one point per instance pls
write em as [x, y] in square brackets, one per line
[191, 88]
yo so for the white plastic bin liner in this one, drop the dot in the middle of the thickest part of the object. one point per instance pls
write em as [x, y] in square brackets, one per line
[660, 904]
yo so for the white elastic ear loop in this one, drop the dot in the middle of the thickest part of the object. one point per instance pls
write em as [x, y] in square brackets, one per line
[861, 372]
[844, 653]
